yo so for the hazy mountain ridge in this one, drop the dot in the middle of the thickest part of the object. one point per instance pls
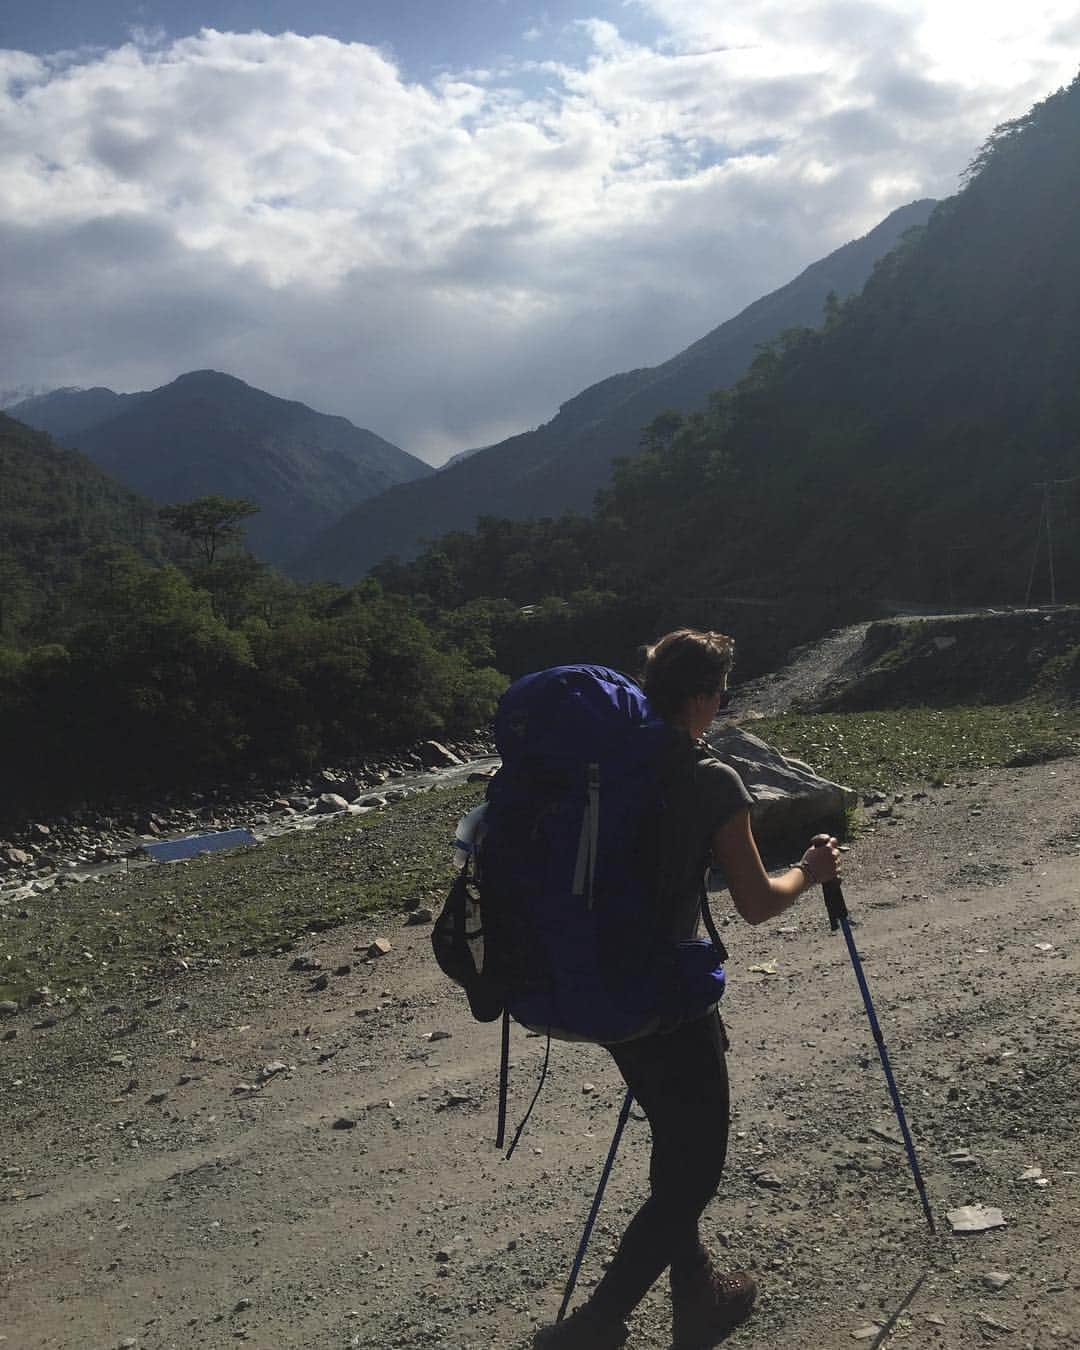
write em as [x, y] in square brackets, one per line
[561, 465]
[64, 413]
[208, 432]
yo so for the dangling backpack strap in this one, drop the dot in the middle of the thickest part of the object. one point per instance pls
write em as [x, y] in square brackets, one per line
[504, 1078]
[525, 1119]
[710, 927]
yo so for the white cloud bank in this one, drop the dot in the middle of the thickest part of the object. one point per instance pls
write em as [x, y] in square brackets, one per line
[444, 263]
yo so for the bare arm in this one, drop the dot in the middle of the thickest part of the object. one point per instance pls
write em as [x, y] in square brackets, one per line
[758, 896]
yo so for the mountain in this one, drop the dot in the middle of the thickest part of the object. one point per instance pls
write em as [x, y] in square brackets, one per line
[561, 465]
[922, 447]
[64, 413]
[208, 433]
[56, 507]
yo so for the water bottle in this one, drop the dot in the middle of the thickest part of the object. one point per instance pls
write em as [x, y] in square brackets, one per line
[465, 836]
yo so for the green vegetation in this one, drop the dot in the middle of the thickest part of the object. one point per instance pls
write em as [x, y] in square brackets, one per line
[102, 938]
[907, 747]
[137, 659]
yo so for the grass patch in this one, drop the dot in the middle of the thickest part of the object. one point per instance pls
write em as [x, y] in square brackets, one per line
[903, 746]
[102, 937]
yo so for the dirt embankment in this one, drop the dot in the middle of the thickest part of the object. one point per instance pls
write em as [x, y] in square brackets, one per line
[258, 1156]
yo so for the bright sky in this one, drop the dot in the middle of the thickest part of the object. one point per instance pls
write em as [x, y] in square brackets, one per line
[442, 218]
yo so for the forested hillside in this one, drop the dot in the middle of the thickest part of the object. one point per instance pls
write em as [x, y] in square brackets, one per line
[894, 453]
[57, 509]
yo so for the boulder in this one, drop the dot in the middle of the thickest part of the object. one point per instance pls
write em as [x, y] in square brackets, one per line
[329, 802]
[338, 781]
[436, 756]
[790, 799]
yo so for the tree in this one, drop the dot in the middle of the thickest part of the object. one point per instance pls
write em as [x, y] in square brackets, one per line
[209, 522]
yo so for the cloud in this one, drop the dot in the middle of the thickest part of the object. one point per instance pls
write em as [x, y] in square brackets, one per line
[446, 262]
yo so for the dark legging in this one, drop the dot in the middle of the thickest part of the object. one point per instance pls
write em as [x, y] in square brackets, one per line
[679, 1079]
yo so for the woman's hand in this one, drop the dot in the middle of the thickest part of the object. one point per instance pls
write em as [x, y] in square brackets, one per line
[821, 861]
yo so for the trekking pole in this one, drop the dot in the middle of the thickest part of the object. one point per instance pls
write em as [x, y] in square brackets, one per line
[624, 1116]
[838, 918]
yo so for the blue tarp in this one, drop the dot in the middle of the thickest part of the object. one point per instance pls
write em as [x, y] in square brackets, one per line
[172, 850]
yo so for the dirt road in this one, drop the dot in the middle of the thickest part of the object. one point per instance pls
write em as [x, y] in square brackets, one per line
[245, 1158]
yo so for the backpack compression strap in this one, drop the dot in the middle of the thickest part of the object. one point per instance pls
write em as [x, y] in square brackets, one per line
[588, 843]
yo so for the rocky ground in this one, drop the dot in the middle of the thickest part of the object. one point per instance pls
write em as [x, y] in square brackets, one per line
[258, 1155]
[40, 850]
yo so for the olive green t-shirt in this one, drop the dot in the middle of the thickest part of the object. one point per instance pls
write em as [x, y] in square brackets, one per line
[699, 796]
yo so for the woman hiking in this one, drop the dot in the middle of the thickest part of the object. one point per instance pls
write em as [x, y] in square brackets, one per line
[678, 1074]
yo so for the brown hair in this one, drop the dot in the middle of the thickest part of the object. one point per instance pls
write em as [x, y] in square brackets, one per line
[684, 663]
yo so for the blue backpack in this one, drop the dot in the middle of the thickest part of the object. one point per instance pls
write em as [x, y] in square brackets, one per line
[559, 925]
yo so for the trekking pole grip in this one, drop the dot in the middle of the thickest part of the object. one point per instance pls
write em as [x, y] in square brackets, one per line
[834, 903]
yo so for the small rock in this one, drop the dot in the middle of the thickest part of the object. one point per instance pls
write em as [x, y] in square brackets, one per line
[419, 916]
[588, 1088]
[306, 961]
[975, 1218]
[380, 947]
[345, 969]
[867, 1332]
[769, 1180]
[997, 1279]
[157, 1097]
[344, 1123]
[992, 1323]
[8, 1008]
[320, 981]
[438, 1036]
[242, 1305]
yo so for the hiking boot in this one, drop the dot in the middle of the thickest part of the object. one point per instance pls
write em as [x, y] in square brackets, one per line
[582, 1330]
[707, 1303]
